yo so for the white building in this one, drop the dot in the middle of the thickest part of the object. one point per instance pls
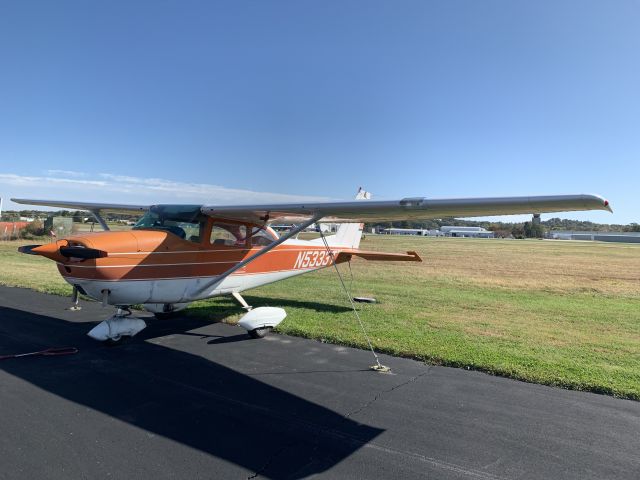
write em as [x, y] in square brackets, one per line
[412, 231]
[473, 232]
[624, 237]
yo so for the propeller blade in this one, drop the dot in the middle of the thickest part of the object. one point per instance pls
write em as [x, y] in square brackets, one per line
[28, 249]
[82, 252]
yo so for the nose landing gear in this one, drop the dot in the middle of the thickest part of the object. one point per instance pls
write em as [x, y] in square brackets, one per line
[117, 327]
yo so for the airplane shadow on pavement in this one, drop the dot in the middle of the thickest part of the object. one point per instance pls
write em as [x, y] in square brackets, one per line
[225, 307]
[184, 397]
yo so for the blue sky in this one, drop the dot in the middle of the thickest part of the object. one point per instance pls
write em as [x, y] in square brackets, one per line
[234, 102]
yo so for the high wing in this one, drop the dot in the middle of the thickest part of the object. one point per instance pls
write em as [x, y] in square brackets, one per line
[415, 208]
[91, 207]
[97, 209]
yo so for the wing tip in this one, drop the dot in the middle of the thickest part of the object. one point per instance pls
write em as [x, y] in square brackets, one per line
[601, 202]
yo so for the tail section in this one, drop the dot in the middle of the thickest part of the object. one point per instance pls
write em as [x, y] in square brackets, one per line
[348, 234]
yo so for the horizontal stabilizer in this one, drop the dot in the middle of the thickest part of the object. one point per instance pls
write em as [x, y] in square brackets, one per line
[380, 256]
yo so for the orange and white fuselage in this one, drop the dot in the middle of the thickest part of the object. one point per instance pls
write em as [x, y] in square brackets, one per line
[157, 267]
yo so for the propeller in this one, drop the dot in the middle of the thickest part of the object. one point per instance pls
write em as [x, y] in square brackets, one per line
[69, 252]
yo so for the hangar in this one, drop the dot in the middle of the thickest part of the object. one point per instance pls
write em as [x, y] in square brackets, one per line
[412, 231]
[622, 237]
[445, 231]
[474, 232]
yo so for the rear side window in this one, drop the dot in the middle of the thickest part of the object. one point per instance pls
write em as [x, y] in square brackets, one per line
[261, 237]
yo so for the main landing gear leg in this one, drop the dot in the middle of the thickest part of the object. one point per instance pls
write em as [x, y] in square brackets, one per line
[254, 332]
[117, 327]
[241, 301]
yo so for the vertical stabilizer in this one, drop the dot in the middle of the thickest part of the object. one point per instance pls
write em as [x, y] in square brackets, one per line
[362, 194]
[349, 234]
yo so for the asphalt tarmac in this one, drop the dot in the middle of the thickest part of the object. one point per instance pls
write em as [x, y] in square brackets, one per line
[187, 399]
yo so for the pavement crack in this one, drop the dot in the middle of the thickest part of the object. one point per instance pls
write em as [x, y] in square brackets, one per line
[366, 405]
[383, 392]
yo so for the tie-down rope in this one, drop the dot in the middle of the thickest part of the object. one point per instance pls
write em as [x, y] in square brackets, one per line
[378, 366]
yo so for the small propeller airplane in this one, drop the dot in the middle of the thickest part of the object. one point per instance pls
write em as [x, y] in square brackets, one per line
[177, 254]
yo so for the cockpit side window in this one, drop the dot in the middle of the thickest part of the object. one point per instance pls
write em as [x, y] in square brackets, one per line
[228, 234]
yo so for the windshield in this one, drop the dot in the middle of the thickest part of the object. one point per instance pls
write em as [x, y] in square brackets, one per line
[185, 221]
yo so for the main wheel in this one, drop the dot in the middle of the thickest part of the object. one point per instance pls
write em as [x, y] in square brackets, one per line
[119, 340]
[259, 332]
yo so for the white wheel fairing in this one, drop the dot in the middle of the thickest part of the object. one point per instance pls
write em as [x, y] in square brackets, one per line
[262, 317]
[115, 328]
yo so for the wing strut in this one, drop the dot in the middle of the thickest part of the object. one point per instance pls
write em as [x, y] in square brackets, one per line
[291, 233]
[101, 221]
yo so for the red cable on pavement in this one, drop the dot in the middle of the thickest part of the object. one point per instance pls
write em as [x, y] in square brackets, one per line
[49, 352]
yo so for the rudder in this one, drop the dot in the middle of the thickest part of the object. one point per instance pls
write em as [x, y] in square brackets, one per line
[349, 234]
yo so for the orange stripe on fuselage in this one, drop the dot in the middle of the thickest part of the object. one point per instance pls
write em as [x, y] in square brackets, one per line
[195, 264]
[152, 254]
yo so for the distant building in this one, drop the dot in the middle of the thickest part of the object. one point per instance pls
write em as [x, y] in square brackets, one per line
[472, 232]
[622, 237]
[282, 228]
[327, 227]
[412, 231]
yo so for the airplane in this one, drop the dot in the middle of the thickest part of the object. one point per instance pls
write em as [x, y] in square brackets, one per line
[177, 254]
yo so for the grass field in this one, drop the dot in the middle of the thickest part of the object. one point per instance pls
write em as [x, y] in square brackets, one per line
[551, 312]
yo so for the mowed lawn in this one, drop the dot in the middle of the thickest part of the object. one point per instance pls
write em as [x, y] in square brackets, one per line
[553, 312]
